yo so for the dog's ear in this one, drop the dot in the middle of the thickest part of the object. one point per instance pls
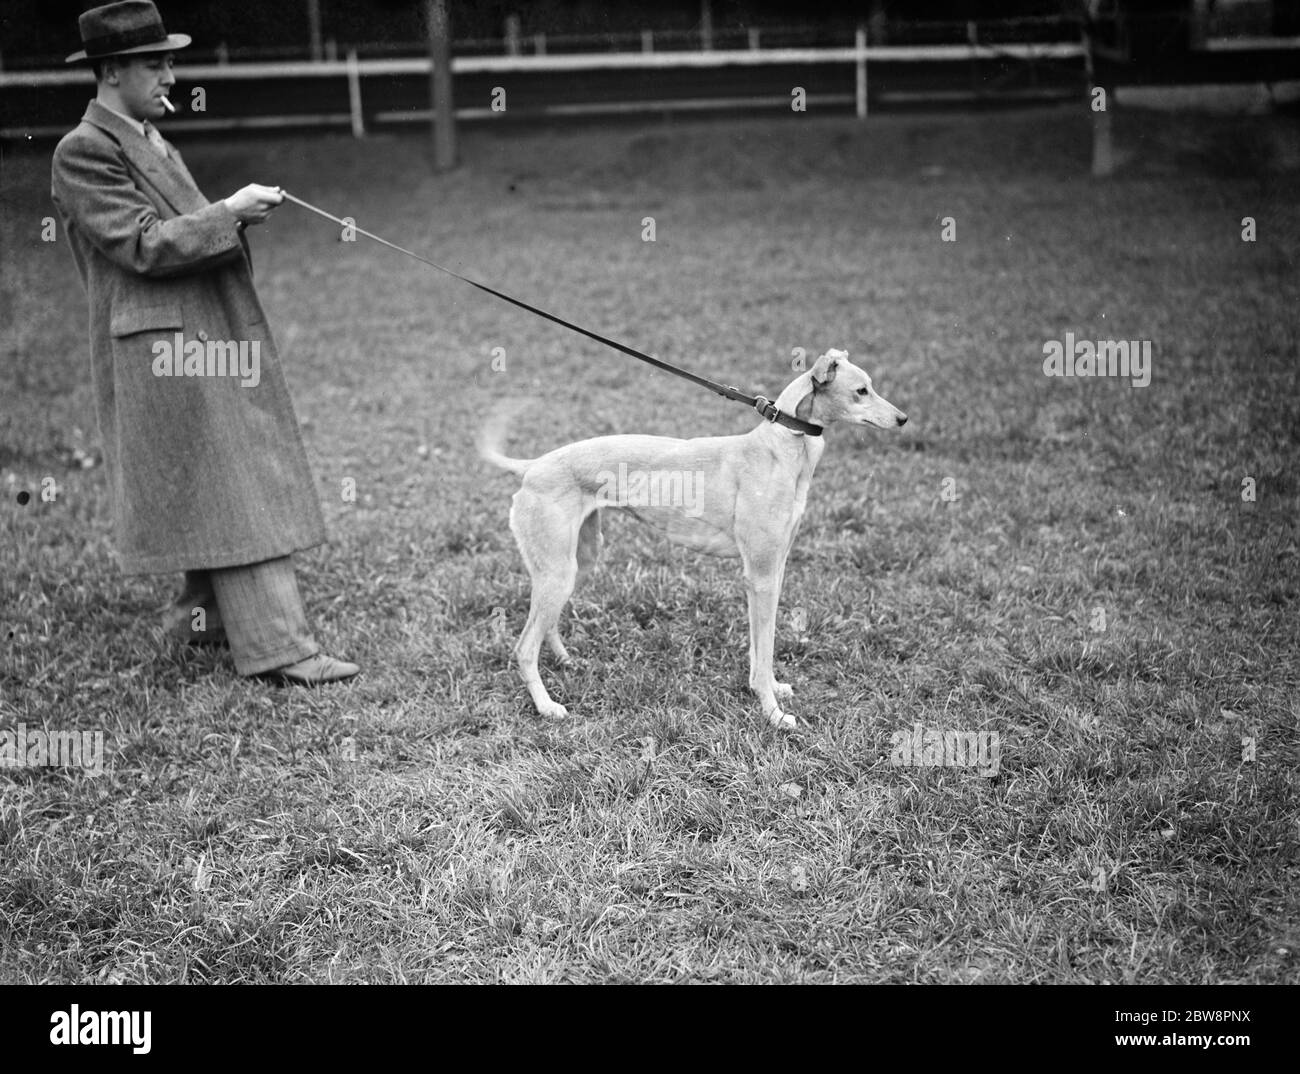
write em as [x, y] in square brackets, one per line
[825, 368]
[821, 374]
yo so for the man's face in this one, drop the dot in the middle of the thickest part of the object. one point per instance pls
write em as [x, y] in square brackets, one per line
[142, 82]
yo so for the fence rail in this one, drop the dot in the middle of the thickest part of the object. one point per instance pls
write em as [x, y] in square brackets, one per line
[359, 92]
[470, 71]
[558, 38]
[584, 61]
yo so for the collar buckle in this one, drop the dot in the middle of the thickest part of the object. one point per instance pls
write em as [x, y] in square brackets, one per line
[766, 408]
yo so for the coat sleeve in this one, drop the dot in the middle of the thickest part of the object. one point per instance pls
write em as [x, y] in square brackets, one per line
[94, 188]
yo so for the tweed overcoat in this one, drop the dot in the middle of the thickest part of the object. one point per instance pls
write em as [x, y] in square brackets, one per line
[206, 468]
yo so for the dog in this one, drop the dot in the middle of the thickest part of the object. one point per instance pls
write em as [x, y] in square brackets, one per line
[726, 495]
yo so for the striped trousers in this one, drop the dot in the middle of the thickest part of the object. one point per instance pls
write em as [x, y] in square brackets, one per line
[260, 608]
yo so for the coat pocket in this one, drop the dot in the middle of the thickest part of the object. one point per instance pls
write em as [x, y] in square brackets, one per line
[127, 322]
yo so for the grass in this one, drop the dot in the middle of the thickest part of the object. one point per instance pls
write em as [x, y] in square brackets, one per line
[423, 824]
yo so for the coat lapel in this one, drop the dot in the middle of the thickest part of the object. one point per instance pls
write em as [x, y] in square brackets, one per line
[169, 178]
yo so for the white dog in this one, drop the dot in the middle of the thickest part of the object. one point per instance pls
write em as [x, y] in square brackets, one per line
[726, 495]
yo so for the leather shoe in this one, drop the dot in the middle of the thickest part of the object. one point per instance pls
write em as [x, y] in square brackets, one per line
[313, 671]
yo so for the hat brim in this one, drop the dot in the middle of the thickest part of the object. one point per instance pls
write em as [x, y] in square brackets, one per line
[174, 41]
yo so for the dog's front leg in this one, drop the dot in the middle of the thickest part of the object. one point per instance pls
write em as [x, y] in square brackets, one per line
[763, 590]
[783, 690]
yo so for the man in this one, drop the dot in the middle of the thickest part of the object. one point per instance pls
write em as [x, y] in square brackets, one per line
[201, 445]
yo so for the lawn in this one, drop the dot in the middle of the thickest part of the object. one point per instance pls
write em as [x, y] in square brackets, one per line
[1072, 564]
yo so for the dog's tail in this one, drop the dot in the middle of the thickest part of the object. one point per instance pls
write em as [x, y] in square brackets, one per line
[492, 437]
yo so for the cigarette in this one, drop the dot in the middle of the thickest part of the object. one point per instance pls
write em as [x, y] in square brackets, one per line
[167, 104]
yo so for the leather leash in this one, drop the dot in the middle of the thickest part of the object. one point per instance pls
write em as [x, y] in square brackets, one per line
[765, 407]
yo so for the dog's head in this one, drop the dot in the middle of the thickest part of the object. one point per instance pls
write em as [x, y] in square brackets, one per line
[837, 390]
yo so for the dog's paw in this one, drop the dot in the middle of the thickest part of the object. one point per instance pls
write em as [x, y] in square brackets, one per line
[783, 691]
[782, 721]
[553, 710]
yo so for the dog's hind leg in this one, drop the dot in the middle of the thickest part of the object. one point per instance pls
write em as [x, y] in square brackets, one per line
[557, 645]
[590, 541]
[589, 544]
[547, 539]
[550, 593]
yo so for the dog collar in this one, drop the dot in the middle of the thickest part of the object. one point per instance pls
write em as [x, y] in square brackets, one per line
[768, 410]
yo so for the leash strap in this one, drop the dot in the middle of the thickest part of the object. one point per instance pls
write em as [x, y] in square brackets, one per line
[766, 407]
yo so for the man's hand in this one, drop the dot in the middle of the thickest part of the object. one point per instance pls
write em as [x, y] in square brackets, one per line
[253, 204]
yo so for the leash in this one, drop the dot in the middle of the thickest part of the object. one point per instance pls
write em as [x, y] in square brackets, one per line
[765, 407]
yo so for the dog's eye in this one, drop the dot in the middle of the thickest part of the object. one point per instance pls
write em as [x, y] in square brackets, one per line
[864, 391]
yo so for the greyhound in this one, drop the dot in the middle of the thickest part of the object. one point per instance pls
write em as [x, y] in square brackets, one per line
[725, 495]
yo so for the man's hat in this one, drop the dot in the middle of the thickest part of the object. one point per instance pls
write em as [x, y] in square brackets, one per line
[127, 27]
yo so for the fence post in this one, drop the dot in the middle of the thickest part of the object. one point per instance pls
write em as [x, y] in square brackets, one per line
[539, 44]
[972, 35]
[1103, 157]
[753, 38]
[354, 95]
[512, 35]
[860, 46]
[706, 26]
[313, 29]
[1199, 26]
[438, 27]
[647, 40]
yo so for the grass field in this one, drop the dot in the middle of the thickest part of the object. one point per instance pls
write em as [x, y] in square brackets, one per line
[1066, 562]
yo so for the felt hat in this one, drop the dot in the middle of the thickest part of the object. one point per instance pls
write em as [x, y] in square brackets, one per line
[124, 28]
